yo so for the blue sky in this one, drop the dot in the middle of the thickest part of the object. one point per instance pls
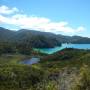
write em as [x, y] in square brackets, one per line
[69, 17]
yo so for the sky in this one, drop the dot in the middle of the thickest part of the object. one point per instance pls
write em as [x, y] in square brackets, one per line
[67, 17]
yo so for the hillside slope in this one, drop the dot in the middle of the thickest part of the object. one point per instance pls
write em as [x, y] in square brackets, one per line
[39, 39]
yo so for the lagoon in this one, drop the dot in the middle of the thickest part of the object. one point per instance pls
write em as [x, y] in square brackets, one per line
[35, 60]
[31, 61]
[55, 49]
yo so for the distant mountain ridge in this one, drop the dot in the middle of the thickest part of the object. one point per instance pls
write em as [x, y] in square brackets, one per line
[39, 39]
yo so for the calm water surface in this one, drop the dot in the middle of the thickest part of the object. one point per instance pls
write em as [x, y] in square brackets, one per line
[34, 60]
[30, 61]
[52, 50]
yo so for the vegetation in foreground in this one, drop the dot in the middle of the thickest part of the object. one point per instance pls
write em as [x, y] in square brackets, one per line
[68, 69]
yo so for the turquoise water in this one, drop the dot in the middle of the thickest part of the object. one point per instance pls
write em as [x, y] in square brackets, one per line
[52, 50]
[35, 60]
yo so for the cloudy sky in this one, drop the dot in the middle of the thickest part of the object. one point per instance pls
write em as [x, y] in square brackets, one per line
[68, 17]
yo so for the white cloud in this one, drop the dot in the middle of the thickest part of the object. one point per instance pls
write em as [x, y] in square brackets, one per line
[6, 10]
[38, 23]
[80, 29]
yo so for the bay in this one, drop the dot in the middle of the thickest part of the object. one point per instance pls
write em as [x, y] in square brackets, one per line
[55, 49]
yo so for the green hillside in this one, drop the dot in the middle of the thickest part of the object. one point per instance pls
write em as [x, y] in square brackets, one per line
[39, 39]
[68, 69]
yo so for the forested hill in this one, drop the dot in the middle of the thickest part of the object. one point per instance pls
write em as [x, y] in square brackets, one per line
[38, 39]
[33, 38]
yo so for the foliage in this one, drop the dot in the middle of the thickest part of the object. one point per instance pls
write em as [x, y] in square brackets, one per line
[83, 80]
[8, 47]
[68, 69]
[19, 77]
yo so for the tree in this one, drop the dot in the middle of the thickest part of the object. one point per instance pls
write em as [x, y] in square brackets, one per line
[24, 48]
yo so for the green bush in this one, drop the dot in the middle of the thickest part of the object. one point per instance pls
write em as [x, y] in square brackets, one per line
[83, 80]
